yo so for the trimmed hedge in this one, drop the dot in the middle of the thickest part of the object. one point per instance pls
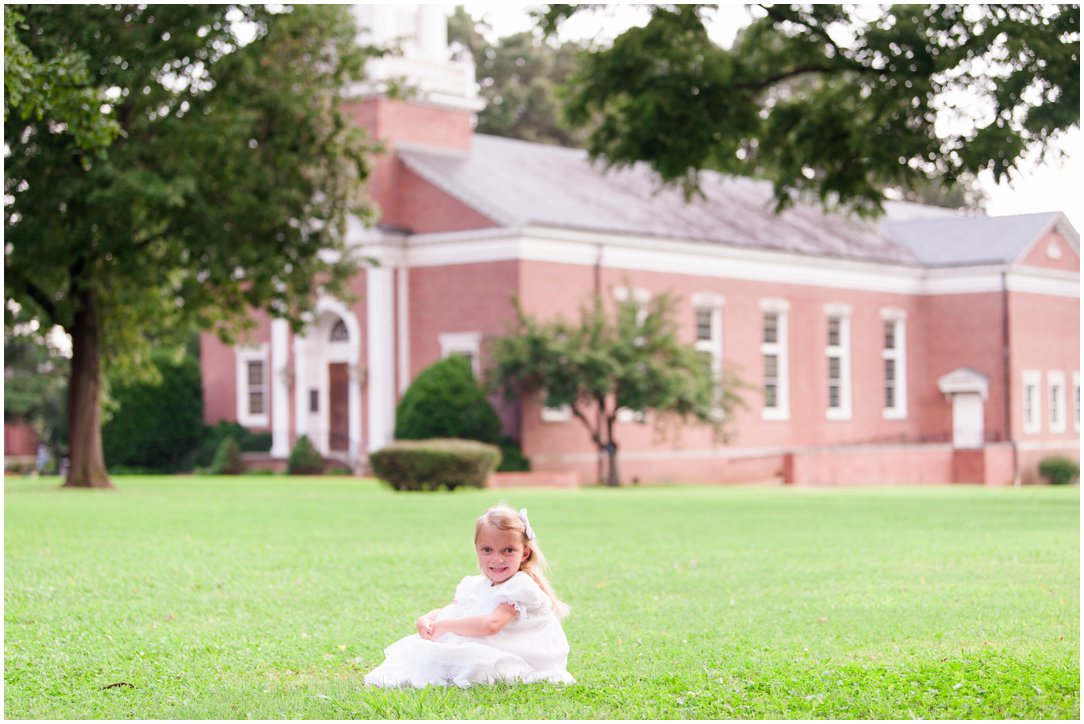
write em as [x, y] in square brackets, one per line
[1059, 470]
[435, 464]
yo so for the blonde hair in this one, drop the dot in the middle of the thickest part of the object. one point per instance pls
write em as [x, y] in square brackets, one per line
[503, 517]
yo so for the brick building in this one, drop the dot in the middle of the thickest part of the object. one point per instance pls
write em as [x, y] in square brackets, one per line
[928, 347]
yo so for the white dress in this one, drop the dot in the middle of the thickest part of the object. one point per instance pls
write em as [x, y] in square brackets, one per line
[532, 647]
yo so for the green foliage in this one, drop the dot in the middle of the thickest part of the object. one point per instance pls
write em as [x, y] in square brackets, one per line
[191, 214]
[155, 425]
[227, 459]
[1059, 470]
[512, 458]
[305, 459]
[828, 104]
[630, 358]
[835, 604]
[519, 78]
[203, 454]
[445, 400]
[435, 464]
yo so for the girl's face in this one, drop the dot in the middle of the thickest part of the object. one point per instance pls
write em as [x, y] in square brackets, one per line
[500, 552]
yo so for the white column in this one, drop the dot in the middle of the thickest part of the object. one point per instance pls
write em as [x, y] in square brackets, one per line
[381, 384]
[404, 328]
[301, 399]
[280, 388]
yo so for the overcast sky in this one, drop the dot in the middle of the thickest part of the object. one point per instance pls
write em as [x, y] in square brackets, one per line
[1050, 185]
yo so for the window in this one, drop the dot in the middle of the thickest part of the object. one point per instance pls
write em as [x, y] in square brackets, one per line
[894, 357]
[838, 351]
[339, 332]
[1055, 384]
[708, 319]
[773, 349]
[466, 344]
[1032, 421]
[252, 386]
[1053, 249]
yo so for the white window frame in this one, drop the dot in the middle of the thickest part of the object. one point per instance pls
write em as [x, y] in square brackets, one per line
[779, 348]
[554, 414]
[1055, 396]
[1053, 249]
[712, 303]
[1076, 401]
[642, 297]
[469, 343]
[898, 317]
[1031, 407]
[842, 352]
[243, 356]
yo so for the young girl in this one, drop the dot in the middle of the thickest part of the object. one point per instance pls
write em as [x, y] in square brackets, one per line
[504, 625]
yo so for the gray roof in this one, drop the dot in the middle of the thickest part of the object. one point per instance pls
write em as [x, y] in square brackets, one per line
[971, 239]
[518, 183]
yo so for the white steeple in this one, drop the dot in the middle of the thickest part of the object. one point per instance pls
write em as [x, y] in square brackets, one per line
[423, 67]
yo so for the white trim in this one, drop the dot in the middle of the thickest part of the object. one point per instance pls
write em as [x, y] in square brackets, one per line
[899, 318]
[463, 342]
[280, 388]
[1065, 443]
[780, 349]
[1032, 382]
[842, 351]
[710, 259]
[243, 356]
[1055, 399]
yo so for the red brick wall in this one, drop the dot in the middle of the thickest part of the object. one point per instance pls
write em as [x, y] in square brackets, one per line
[219, 371]
[1037, 256]
[19, 439]
[423, 208]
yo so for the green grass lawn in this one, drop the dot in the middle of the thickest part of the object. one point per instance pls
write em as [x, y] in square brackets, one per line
[269, 597]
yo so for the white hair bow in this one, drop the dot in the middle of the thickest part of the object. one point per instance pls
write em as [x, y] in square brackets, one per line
[526, 523]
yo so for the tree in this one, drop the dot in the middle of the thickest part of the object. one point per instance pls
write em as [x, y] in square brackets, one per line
[519, 78]
[630, 359]
[35, 373]
[226, 189]
[833, 102]
[446, 401]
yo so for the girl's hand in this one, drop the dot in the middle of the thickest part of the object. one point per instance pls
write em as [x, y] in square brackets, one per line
[425, 628]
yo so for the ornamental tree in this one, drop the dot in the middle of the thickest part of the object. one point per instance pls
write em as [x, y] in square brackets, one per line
[225, 188]
[628, 358]
[830, 101]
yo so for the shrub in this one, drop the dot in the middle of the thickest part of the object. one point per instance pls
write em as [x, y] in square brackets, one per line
[1059, 470]
[155, 426]
[304, 458]
[445, 401]
[227, 458]
[512, 458]
[433, 464]
[203, 454]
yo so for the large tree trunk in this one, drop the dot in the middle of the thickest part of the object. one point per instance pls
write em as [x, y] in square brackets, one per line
[87, 466]
[611, 460]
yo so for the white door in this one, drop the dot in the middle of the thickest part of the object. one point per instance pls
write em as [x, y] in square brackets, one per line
[967, 424]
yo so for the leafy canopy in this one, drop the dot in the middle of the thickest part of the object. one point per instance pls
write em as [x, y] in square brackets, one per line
[829, 101]
[628, 358]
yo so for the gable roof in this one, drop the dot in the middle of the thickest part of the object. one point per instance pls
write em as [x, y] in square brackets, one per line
[971, 239]
[519, 183]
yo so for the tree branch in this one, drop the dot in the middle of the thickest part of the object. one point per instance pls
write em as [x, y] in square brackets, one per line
[14, 279]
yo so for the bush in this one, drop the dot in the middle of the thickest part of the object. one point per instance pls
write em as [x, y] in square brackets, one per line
[445, 401]
[156, 426]
[304, 458]
[203, 454]
[227, 458]
[1059, 470]
[433, 464]
[512, 458]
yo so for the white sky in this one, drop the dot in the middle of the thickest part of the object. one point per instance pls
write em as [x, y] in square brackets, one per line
[1056, 184]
